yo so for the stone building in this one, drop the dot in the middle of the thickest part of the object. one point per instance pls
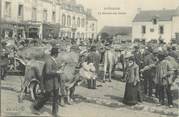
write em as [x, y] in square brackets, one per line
[154, 25]
[44, 19]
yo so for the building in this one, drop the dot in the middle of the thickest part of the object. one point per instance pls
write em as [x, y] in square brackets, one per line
[30, 18]
[91, 25]
[43, 19]
[154, 25]
[120, 34]
[73, 20]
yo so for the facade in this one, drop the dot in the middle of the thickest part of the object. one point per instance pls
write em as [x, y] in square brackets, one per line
[91, 25]
[156, 25]
[29, 17]
[73, 20]
[43, 18]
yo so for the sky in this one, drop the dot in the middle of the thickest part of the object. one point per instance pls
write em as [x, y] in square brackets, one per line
[122, 12]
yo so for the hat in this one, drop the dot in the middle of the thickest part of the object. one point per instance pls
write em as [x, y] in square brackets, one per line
[54, 50]
[75, 48]
[162, 53]
[156, 51]
[93, 48]
[136, 47]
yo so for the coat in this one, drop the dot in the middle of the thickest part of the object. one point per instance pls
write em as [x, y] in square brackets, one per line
[148, 61]
[50, 79]
[164, 73]
[133, 74]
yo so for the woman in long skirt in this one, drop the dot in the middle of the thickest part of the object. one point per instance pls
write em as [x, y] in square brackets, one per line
[132, 82]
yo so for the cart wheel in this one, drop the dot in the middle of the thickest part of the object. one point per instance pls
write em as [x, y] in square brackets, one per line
[35, 90]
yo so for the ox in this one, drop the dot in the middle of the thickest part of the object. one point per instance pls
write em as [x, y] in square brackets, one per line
[111, 59]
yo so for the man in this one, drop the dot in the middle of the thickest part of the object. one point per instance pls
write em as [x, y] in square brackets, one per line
[173, 53]
[164, 78]
[148, 74]
[3, 61]
[50, 83]
[94, 58]
[138, 57]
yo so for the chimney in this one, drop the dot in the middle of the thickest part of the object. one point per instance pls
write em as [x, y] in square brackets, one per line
[89, 11]
[139, 10]
[177, 9]
[73, 1]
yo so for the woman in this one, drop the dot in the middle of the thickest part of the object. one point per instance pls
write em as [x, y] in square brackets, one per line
[132, 82]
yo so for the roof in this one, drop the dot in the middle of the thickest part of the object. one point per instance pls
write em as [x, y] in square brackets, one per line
[161, 15]
[90, 17]
[115, 30]
[73, 7]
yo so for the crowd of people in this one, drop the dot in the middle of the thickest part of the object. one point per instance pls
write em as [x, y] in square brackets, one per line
[149, 72]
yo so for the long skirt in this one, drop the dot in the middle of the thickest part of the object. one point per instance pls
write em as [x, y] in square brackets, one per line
[131, 94]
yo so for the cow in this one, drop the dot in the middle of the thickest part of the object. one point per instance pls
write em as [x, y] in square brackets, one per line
[111, 58]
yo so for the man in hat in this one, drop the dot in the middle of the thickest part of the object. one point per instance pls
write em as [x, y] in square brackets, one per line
[173, 53]
[3, 60]
[137, 56]
[149, 73]
[50, 83]
[94, 57]
[164, 78]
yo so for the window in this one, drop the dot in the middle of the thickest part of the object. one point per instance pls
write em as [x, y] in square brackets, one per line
[92, 27]
[161, 29]
[63, 19]
[83, 22]
[68, 20]
[154, 21]
[74, 23]
[34, 14]
[7, 9]
[20, 10]
[78, 22]
[53, 16]
[45, 15]
[143, 29]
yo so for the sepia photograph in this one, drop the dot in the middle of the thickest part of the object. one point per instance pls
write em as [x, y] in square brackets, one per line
[89, 58]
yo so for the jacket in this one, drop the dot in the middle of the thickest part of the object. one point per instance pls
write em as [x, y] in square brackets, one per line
[164, 73]
[133, 74]
[50, 79]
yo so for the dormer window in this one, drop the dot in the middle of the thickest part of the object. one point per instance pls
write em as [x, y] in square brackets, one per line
[154, 21]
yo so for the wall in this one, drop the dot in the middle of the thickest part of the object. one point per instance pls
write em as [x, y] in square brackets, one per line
[175, 26]
[66, 28]
[137, 30]
[89, 28]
